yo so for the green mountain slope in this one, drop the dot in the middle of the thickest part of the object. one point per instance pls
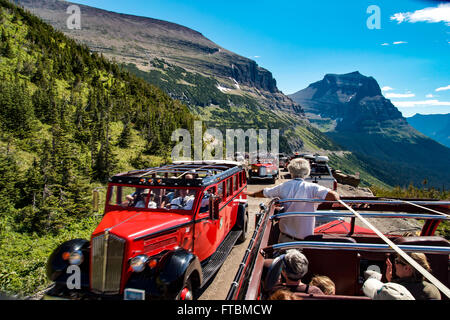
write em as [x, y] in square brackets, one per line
[69, 119]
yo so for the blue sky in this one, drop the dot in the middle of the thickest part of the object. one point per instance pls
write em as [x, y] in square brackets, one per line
[301, 41]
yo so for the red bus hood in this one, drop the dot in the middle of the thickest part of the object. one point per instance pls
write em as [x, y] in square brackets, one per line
[134, 224]
[263, 165]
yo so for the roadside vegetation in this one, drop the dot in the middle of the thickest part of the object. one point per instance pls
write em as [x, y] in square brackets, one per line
[69, 119]
[413, 192]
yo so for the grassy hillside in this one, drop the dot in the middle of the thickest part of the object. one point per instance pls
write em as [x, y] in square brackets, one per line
[69, 119]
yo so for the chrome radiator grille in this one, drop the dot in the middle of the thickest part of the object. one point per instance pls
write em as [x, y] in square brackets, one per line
[107, 260]
[262, 171]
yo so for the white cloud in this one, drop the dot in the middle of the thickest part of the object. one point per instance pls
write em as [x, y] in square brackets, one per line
[256, 56]
[443, 88]
[409, 104]
[386, 88]
[429, 95]
[400, 95]
[394, 43]
[441, 13]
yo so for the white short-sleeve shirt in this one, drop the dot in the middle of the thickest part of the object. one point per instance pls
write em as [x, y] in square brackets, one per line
[188, 202]
[298, 227]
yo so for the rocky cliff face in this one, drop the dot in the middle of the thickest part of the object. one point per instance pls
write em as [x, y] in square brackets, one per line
[138, 40]
[352, 100]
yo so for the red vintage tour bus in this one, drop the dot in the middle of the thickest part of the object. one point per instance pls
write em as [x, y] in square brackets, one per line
[165, 232]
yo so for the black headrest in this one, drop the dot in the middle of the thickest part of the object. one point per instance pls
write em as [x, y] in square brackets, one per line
[273, 274]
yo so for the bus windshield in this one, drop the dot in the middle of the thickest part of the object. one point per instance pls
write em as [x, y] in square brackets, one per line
[152, 198]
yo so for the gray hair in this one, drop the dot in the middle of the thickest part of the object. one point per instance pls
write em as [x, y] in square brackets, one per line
[299, 168]
[295, 264]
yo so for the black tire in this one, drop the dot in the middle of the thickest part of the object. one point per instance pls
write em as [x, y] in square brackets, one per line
[243, 235]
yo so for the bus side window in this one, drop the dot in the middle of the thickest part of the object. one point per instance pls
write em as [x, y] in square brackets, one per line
[204, 206]
[220, 190]
[230, 187]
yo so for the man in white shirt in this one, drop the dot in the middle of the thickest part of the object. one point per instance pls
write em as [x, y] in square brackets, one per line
[297, 228]
[185, 201]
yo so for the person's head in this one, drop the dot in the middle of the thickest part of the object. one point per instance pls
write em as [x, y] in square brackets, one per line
[183, 192]
[189, 176]
[283, 294]
[295, 265]
[299, 168]
[404, 270]
[324, 283]
[377, 290]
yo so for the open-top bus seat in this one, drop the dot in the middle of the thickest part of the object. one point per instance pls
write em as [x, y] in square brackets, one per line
[438, 262]
[341, 266]
[328, 238]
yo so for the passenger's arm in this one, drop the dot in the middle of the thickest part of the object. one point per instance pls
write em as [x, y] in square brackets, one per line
[332, 196]
[257, 194]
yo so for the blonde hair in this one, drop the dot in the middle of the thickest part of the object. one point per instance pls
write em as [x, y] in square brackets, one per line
[421, 259]
[323, 283]
[299, 168]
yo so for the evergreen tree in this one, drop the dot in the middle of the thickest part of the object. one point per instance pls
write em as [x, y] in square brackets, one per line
[125, 136]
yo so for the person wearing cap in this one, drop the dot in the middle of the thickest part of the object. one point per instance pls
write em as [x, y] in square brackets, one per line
[294, 268]
[410, 278]
[297, 228]
[377, 290]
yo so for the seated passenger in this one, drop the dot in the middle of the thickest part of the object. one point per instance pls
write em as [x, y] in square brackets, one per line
[140, 200]
[324, 283]
[136, 199]
[283, 294]
[204, 206]
[411, 279]
[377, 290]
[295, 266]
[151, 202]
[185, 201]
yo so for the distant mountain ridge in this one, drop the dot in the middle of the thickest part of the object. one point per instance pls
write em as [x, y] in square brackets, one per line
[351, 110]
[138, 40]
[222, 88]
[435, 126]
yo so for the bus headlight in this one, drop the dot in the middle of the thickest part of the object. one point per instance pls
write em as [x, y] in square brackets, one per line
[138, 263]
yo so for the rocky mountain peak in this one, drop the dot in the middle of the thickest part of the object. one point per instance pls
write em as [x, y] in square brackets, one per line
[349, 84]
[353, 101]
